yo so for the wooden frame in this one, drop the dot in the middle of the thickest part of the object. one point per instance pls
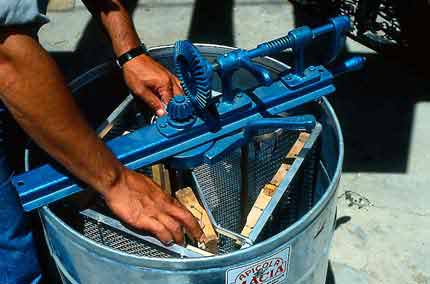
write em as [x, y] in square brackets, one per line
[269, 189]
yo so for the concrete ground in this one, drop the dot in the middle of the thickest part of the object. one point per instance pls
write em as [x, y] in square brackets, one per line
[383, 233]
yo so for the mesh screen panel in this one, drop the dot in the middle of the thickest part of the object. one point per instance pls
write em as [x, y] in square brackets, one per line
[120, 240]
[222, 183]
[264, 159]
[221, 187]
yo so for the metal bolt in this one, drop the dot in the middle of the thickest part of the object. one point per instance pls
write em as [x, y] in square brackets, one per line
[289, 77]
[311, 68]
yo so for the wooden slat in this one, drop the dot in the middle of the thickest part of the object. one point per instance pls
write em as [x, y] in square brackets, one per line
[199, 251]
[280, 174]
[269, 189]
[105, 130]
[298, 146]
[187, 198]
[160, 175]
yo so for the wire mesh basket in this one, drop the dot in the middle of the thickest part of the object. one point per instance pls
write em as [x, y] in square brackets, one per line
[227, 190]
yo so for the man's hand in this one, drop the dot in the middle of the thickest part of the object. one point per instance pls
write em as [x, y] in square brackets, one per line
[152, 82]
[139, 202]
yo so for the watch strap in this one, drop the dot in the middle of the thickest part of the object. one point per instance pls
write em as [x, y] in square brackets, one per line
[129, 55]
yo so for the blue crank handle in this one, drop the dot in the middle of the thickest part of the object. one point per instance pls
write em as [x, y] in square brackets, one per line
[352, 64]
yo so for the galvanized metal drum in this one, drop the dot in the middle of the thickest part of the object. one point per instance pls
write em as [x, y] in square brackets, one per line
[293, 248]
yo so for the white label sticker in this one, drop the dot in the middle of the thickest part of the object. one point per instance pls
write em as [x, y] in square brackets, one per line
[271, 270]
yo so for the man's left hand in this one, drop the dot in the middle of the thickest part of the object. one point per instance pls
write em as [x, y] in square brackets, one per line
[151, 82]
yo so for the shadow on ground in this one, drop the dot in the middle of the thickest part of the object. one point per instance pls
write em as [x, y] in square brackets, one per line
[212, 22]
[330, 279]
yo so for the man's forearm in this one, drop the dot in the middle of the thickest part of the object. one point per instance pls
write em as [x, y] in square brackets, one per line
[145, 77]
[34, 91]
[117, 23]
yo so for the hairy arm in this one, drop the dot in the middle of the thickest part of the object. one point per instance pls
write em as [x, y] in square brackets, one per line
[35, 93]
[117, 23]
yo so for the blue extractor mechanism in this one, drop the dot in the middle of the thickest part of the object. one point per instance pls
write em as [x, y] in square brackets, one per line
[202, 127]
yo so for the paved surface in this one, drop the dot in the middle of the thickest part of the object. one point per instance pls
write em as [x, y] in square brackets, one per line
[383, 233]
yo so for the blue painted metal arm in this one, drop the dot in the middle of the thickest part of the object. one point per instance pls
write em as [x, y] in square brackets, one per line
[293, 123]
[352, 64]
[144, 147]
[230, 143]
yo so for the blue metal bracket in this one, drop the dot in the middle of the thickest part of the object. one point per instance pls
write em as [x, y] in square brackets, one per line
[297, 40]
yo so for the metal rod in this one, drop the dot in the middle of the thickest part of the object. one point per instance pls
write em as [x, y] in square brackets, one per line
[244, 193]
[107, 124]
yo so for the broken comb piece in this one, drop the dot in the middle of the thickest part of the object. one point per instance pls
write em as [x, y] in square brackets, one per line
[209, 241]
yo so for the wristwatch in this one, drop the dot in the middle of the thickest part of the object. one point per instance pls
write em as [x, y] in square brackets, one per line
[129, 55]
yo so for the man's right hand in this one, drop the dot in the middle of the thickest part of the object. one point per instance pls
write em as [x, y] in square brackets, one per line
[139, 202]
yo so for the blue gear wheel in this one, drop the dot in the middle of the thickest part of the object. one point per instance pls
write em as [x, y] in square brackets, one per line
[195, 74]
[180, 108]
